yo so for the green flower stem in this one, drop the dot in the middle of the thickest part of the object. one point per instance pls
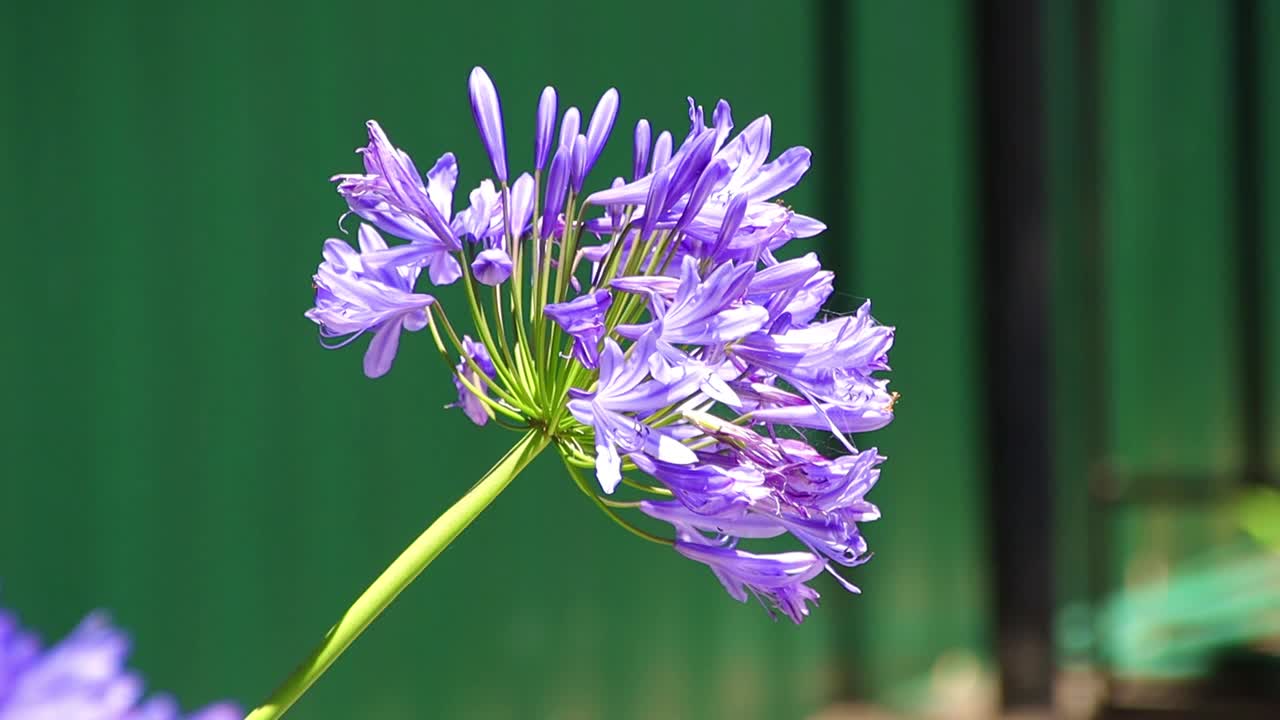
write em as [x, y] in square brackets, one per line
[585, 486]
[400, 573]
[471, 362]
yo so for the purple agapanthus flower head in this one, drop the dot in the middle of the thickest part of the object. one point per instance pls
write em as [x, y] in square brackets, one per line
[81, 677]
[654, 329]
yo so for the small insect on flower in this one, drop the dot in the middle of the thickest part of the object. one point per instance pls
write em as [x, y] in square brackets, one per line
[648, 329]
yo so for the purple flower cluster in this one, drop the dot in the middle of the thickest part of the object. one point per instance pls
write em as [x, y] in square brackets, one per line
[82, 677]
[651, 329]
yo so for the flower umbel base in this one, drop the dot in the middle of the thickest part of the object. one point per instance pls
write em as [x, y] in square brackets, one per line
[400, 573]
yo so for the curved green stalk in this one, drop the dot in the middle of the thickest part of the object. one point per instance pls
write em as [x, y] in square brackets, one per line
[400, 573]
[585, 487]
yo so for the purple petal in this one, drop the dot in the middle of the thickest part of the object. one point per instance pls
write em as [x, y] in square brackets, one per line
[780, 175]
[444, 270]
[492, 266]
[722, 118]
[370, 240]
[712, 179]
[785, 275]
[734, 520]
[441, 179]
[733, 215]
[803, 226]
[655, 202]
[748, 151]
[826, 416]
[382, 350]
[695, 160]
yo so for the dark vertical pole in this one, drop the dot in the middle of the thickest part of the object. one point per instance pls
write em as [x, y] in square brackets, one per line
[834, 131]
[1016, 290]
[1092, 294]
[1249, 239]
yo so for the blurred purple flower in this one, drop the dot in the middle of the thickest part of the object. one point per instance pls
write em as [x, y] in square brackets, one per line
[81, 677]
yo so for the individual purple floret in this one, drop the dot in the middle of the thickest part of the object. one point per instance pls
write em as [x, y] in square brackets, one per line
[622, 393]
[392, 196]
[583, 319]
[465, 374]
[81, 677]
[370, 290]
[777, 580]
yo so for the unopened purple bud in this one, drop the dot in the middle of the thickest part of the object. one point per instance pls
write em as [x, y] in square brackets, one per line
[492, 266]
[655, 203]
[569, 127]
[733, 215]
[661, 151]
[640, 156]
[712, 178]
[600, 126]
[545, 127]
[578, 163]
[521, 204]
[487, 109]
[557, 187]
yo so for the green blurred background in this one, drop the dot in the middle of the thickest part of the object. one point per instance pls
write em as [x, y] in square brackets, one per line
[177, 449]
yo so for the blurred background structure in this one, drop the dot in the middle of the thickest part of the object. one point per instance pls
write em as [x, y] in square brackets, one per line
[1070, 210]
